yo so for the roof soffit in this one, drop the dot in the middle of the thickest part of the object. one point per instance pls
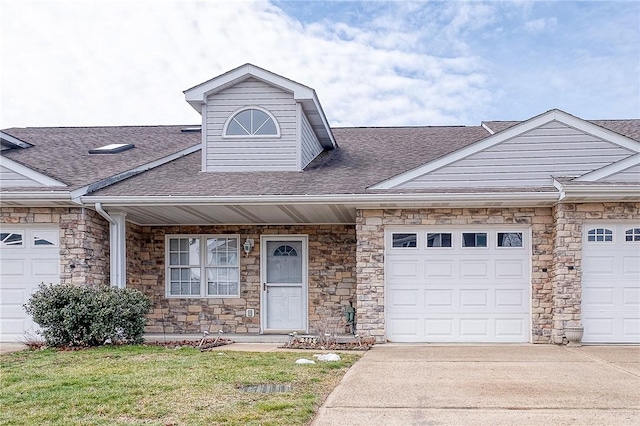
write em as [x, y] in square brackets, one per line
[510, 133]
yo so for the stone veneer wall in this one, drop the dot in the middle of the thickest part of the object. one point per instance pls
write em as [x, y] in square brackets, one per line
[566, 271]
[370, 226]
[84, 240]
[332, 278]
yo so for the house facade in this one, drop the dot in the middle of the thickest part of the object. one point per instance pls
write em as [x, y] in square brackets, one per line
[264, 219]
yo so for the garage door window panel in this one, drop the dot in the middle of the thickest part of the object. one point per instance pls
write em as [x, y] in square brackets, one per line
[632, 235]
[474, 239]
[12, 239]
[509, 240]
[439, 240]
[404, 240]
[600, 235]
[45, 238]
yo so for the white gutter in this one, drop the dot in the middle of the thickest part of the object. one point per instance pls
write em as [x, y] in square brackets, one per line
[351, 199]
[117, 246]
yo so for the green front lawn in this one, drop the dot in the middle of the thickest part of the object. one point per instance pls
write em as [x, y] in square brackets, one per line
[152, 385]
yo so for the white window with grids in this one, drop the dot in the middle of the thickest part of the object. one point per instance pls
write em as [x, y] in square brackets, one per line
[203, 266]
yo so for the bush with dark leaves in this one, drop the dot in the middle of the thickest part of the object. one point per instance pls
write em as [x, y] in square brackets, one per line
[83, 316]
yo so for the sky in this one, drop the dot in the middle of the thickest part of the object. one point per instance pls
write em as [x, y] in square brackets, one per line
[376, 63]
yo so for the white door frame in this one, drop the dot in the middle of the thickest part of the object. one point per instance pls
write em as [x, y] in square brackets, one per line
[304, 239]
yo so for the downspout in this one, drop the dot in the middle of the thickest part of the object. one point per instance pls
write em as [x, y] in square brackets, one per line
[116, 248]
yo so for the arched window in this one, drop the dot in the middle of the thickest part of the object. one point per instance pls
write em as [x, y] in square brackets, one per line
[285, 250]
[632, 234]
[251, 122]
[599, 235]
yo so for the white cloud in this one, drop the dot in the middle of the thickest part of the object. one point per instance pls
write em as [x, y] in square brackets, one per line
[68, 63]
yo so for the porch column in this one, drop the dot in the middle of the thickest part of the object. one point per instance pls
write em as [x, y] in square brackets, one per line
[118, 252]
[117, 246]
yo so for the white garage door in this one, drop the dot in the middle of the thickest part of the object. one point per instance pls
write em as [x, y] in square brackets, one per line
[28, 257]
[611, 283]
[457, 285]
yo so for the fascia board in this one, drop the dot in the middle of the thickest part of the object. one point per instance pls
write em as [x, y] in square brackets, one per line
[29, 173]
[35, 197]
[198, 94]
[514, 131]
[347, 199]
[76, 194]
[14, 140]
[603, 193]
[609, 170]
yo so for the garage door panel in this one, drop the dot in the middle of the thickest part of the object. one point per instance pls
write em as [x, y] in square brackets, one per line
[405, 327]
[510, 298]
[404, 270]
[439, 269]
[510, 327]
[45, 267]
[477, 327]
[631, 265]
[439, 298]
[631, 297]
[600, 296]
[599, 265]
[514, 268]
[474, 268]
[631, 327]
[12, 268]
[474, 298]
[438, 327]
[404, 297]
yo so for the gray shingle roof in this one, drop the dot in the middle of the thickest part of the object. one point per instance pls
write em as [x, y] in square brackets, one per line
[365, 156]
[63, 152]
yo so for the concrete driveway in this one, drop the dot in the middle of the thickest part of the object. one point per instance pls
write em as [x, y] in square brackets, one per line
[397, 384]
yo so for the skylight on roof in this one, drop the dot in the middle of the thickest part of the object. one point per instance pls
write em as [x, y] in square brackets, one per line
[112, 148]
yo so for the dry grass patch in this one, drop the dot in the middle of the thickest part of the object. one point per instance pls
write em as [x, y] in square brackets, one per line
[149, 385]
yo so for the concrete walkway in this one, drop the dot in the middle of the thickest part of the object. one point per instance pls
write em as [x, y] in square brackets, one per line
[488, 385]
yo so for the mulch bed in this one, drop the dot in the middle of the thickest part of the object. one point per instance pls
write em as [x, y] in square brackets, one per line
[207, 344]
[364, 345]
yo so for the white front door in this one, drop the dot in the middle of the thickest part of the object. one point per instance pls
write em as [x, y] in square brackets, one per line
[611, 283]
[29, 255]
[284, 283]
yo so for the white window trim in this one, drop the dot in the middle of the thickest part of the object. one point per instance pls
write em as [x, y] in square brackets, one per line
[244, 108]
[596, 235]
[430, 231]
[203, 266]
[391, 246]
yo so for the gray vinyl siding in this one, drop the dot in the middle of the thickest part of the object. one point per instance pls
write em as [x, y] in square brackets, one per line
[310, 144]
[11, 179]
[251, 153]
[528, 160]
[632, 174]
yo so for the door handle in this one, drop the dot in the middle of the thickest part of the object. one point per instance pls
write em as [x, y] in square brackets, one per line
[264, 286]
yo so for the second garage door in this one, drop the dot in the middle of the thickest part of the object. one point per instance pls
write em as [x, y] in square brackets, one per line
[457, 285]
[29, 255]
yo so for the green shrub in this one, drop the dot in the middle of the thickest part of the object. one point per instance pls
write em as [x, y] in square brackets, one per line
[82, 316]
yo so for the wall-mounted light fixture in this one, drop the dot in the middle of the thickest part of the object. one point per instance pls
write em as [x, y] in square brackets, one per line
[247, 246]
